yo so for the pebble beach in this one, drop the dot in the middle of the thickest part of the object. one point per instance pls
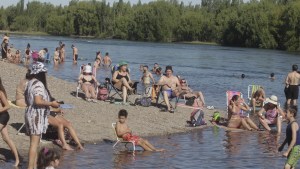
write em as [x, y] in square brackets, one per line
[92, 121]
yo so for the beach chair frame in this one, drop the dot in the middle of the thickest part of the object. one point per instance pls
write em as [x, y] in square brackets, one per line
[119, 140]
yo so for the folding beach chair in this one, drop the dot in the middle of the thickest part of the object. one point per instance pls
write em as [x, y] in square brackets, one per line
[160, 96]
[229, 95]
[121, 141]
[78, 88]
[251, 90]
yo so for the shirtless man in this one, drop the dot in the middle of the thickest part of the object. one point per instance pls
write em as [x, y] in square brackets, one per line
[75, 53]
[291, 86]
[124, 132]
[62, 53]
[168, 83]
[106, 60]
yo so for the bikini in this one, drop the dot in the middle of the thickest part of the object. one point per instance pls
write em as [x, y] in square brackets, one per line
[271, 115]
[90, 81]
[120, 77]
[4, 117]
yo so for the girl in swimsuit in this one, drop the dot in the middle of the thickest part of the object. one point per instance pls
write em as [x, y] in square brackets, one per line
[4, 118]
[272, 115]
[121, 80]
[146, 79]
[237, 105]
[56, 58]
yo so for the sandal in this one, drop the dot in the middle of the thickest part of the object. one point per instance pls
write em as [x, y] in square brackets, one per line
[172, 110]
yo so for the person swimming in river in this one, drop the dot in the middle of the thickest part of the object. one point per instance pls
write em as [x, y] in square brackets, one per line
[237, 105]
[124, 132]
[292, 138]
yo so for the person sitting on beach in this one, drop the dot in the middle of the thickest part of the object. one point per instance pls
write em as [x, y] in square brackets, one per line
[236, 106]
[124, 132]
[257, 99]
[273, 114]
[184, 90]
[9, 55]
[17, 57]
[121, 80]
[56, 58]
[88, 82]
[106, 60]
[57, 120]
[48, 158]
[168, 82]
[20, 98]
[292, 138]
[155, 67]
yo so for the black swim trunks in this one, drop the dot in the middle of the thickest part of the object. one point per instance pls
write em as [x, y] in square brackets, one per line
[76, 57]
[292, 92]
[4, 118]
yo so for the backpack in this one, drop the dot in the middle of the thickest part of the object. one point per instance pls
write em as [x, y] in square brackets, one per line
[146, 101]
[102, 93]
[197, 118]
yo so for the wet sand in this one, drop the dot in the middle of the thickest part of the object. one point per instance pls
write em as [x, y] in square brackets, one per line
[92, 121]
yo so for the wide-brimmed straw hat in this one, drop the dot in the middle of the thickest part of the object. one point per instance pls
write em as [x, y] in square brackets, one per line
[37, 68]
[273, 99]
[87, 69]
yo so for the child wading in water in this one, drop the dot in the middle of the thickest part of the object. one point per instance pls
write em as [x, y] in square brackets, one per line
[125, 133]
[48, 159]
[292, 138]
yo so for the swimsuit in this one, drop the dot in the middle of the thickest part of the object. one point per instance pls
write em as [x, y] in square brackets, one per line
[294, 155]
[120, 77]
[271, 116]
[292, 92]
[4, 118]
[131, 138]
[90, 81]
[76, 57]
[169, 92]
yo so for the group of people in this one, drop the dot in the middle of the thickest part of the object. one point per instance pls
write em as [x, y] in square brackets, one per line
[270, 115]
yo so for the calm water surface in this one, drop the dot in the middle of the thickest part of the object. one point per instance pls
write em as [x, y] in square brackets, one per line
[211, 69]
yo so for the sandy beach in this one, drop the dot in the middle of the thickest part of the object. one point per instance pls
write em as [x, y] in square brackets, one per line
[92, 121]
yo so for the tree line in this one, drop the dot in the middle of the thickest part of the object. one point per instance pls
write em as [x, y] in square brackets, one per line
[270, 24]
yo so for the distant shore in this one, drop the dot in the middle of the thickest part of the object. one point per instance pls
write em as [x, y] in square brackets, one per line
[92, 121]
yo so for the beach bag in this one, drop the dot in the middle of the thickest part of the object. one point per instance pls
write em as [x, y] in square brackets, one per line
[216, 117]
[146, 101]
[190, 101]
[197, 118]
[102, 93]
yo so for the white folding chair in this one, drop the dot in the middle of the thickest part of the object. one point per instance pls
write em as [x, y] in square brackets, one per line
[121, 141]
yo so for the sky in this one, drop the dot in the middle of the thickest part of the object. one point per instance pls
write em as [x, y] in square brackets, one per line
[6, 3]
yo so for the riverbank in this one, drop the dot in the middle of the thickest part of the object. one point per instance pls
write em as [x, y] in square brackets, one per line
[92, 121]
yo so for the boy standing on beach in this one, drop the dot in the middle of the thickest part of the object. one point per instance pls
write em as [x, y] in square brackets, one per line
[124, 132]
[292, 138]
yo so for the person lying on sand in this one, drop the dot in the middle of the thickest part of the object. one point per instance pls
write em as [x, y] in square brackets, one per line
[124, 132]
[237, 105]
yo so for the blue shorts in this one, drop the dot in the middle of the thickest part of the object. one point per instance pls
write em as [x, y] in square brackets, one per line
[169, 92]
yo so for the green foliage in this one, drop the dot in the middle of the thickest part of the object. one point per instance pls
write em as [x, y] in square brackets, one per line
[272, 24]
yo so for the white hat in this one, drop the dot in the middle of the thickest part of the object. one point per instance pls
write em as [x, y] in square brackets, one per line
[38, 67]
[273, 99]
[87, 69]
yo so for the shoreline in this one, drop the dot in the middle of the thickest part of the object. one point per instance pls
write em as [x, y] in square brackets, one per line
[92, 121]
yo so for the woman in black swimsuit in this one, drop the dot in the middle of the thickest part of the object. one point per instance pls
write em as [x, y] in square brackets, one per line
[88, 81]
[4, 118]
[121, 80]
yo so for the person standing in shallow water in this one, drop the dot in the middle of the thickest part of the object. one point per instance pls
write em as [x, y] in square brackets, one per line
[291, 86]
[75, 54]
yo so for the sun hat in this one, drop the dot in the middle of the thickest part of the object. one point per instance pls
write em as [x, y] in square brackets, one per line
[87, 69]
[122, 63]
[273, 99]
[37, 68]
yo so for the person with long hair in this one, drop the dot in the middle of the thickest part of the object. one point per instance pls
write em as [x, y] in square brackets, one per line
[257, 99]
[37, 98]
[4, 118]
[237, 104]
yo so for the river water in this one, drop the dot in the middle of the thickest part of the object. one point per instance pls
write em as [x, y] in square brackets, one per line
[211, 69]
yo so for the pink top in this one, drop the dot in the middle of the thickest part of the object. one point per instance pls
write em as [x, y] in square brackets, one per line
[271, 115]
